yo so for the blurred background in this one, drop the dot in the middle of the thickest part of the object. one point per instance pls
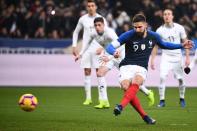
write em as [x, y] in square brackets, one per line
[57, 18]
[36, 37]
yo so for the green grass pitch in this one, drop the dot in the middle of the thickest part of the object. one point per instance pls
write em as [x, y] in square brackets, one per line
[61, 109]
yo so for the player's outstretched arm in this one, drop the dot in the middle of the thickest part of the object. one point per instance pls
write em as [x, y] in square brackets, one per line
[171, 46]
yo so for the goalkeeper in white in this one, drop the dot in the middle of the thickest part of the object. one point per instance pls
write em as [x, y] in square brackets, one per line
[104, 35]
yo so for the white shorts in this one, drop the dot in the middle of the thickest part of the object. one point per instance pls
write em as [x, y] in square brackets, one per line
[128, 72]
[167, 64]
[89, 58]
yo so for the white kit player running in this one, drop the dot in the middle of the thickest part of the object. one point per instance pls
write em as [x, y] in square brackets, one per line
[89, 60]
[104, 35]
[172, 59]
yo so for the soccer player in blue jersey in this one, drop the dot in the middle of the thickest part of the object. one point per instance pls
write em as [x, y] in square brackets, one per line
[139, 43]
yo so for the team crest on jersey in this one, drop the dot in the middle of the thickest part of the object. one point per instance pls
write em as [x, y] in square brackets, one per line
[143, 46]
[150, 43]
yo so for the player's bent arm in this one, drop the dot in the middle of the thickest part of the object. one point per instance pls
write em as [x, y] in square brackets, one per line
[123, 39]
[111, 48]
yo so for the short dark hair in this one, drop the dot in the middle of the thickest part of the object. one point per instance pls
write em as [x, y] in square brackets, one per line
[98, 19]
[139, 18]
[170, 9]
[90, 1]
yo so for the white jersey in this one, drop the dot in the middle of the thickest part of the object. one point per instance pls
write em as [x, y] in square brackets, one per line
[107, 37]
[172, 59]
[174, 34]
[86, 22]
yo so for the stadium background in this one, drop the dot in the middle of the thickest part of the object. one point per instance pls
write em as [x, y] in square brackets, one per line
[35, 43]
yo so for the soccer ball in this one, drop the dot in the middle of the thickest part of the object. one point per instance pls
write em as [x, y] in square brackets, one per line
[28, 102]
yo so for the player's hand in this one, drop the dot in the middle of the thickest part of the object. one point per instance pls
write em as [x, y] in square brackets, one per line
[99, 51]
[75, 51]
[105, 58]
[77, 57]
[116, 54]
[188, 44]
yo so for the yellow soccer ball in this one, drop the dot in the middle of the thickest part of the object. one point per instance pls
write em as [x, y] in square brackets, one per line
[28, 102]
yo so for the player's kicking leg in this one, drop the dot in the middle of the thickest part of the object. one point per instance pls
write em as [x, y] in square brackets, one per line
[118, 109]
[131, 90]
[149, 94]
[135, 103]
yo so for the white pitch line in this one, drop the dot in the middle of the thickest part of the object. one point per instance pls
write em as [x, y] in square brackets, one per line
[174, 124]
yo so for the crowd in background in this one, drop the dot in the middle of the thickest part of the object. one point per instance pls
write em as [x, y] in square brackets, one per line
[58, 18]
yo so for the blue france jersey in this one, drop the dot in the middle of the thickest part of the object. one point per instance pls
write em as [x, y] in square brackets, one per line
[138, 49]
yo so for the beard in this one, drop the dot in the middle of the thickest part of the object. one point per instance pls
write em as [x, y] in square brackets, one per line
[140, 34]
